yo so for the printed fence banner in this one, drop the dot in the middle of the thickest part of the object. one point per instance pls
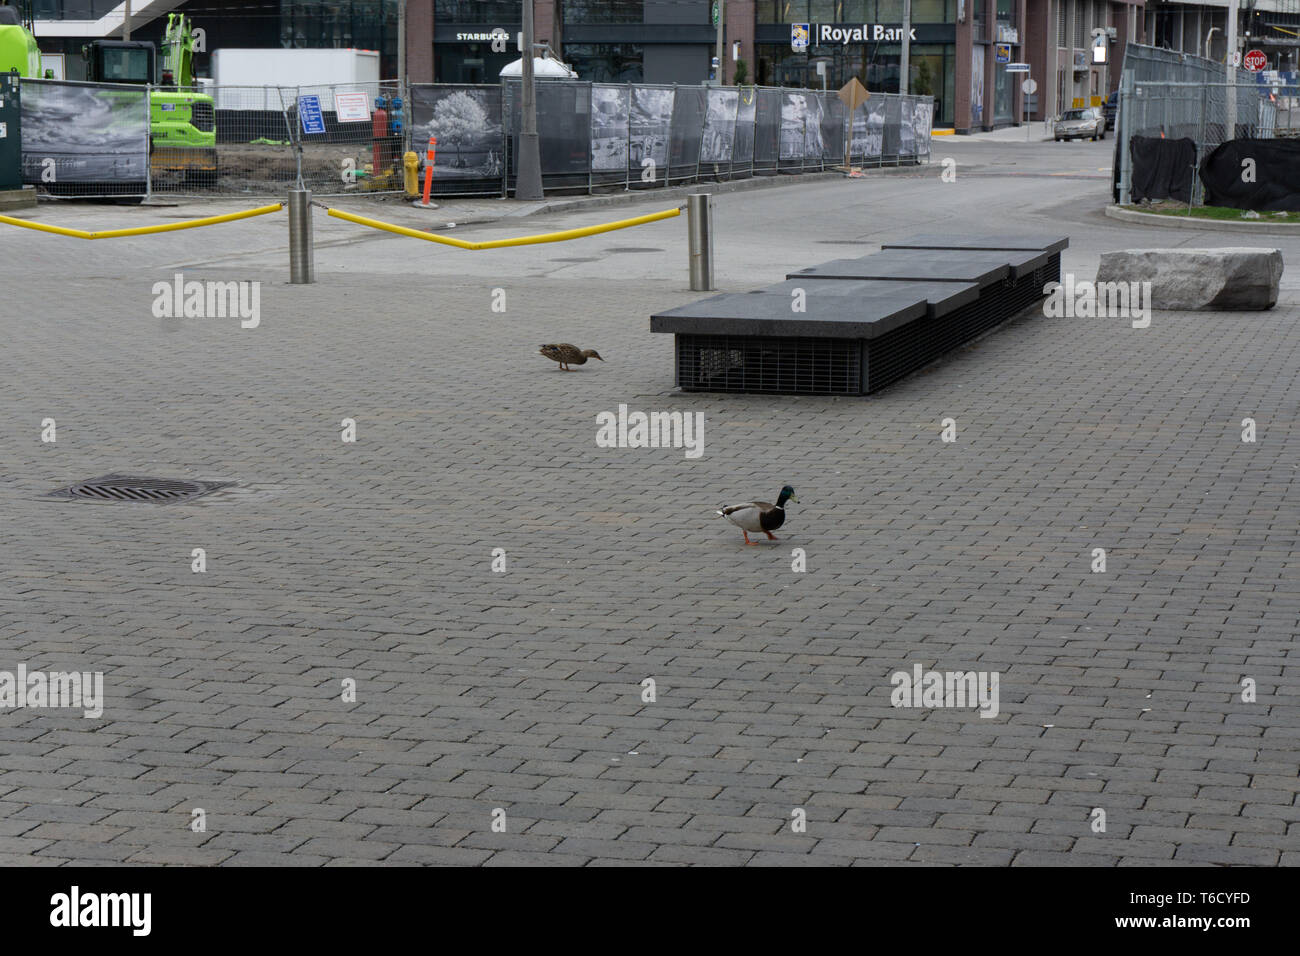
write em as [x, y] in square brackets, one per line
[610, 112]
[743, 149]
[83, 139]
[906, 132]
[922, 121]
[794, 114]
[467, 122]
[812, 128]
[834, 119]
[651, 116]
[719, 140]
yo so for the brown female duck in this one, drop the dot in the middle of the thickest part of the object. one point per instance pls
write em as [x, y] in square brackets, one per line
[568, 355]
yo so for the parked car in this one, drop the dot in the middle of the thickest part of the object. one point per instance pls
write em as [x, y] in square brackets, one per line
[1111, 110]
[1086, 123]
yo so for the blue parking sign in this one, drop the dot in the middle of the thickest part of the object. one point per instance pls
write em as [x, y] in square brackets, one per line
[313, 121]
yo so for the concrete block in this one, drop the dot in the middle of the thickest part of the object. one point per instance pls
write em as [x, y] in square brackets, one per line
[1229, 279]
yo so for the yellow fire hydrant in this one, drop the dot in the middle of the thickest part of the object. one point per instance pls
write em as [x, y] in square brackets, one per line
[411, 173]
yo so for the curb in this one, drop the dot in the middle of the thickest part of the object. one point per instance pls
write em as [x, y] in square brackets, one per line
[1173, 222]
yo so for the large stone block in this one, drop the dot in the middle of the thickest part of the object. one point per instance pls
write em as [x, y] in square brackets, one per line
[1210, 279]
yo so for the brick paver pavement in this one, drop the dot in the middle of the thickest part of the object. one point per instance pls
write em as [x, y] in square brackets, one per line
[523, 690]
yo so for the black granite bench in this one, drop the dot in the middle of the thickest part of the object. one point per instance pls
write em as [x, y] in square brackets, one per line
[867, 322]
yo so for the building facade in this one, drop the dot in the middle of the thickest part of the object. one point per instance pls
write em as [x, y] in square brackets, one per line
[1272, 26]
[958, 50]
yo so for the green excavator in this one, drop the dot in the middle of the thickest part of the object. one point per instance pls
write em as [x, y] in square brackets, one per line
[182, 127]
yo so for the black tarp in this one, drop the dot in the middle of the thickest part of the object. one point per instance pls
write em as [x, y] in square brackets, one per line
[767, 129]
[689, 110]
[1275, 171]
[1162, 168]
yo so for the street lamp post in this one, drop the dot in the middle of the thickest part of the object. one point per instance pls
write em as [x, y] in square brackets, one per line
[722, 22]
[904, 81]
[1231, 125]
[528, 185]
[401, 41]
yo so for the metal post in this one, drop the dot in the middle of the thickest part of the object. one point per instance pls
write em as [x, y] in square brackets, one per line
[1126, 104]
[668, 142]
[148, 142]
[722, 23]
[904, 81]
[699, 230]
[1231, 131]
[401, 43]
[528, 185]
[302, 265]
[126, 22]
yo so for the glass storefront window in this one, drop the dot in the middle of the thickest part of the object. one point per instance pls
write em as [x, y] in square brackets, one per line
[606, 62]
[875, 65]
[1007, 12]
[854, 11]
[472, 63]
[928, 11]
[365, 24]
[1002, 95]
[602, 11]
[782, 11]
[477, 11]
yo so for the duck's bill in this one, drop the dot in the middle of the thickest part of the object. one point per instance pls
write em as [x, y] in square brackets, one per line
[794, 499]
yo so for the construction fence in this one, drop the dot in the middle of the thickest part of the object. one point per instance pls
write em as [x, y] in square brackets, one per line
[103, 140]
[1175, 110]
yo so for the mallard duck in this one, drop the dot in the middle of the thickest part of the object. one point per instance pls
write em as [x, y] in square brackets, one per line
[568, 355]
[759, 516]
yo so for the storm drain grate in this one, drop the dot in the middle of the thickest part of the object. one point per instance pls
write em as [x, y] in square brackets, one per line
[133, 488]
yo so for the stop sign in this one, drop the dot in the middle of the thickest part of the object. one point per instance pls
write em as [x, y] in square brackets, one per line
[1255, 61]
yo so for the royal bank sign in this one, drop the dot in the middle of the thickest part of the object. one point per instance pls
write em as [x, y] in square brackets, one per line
[802, 35]
[843, 36]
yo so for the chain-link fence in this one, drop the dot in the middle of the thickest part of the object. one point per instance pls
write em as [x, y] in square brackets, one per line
[333, 139]
[1165, 95]
[351, 138]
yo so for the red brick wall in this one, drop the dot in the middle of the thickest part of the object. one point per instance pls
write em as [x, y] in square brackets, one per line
[546, 22]
[419, 41]
[740, 26]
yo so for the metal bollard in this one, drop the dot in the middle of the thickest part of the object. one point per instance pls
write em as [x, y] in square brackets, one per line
[699, 230]
[302, 256]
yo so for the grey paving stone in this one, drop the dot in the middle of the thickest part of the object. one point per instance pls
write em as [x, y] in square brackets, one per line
[522, 689]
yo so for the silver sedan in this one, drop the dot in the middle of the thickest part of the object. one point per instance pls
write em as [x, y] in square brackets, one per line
[1088, 123]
